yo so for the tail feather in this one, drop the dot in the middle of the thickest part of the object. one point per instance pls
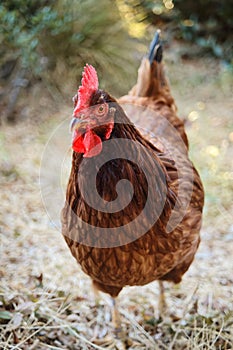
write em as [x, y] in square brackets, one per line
[156, 49]
[151, 78]
[152, 90]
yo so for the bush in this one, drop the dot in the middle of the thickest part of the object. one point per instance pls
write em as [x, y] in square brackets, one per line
[53, 40]
[208, 23]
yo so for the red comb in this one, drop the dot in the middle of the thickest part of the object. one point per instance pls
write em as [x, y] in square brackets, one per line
[89, 85]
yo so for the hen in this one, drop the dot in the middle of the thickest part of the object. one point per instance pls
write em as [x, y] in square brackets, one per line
[124, 234]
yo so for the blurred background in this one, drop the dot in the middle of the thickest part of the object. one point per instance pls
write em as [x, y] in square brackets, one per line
[45, 43]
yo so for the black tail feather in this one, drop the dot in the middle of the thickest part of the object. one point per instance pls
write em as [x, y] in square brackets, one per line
[156, 49]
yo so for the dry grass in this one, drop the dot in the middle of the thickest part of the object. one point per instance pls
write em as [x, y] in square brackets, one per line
[46, 302]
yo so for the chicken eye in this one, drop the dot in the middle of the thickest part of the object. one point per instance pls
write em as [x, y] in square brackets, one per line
[102, 110]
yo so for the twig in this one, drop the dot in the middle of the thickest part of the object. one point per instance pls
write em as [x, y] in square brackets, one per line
[17, 84]
[52, 347]
[142, 330]
[73, 332]
[32, 335]
[184, 313]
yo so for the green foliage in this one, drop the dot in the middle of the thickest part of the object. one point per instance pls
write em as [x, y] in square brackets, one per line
[44, 33]
[52, 40]
[208, 23]
[19, 30]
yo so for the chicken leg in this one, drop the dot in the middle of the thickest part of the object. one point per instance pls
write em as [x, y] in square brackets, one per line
[116, 318]
[162, 301]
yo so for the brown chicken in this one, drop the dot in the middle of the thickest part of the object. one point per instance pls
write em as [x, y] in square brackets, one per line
[124, 235]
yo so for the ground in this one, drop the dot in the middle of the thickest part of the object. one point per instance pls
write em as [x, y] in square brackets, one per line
[46, 301]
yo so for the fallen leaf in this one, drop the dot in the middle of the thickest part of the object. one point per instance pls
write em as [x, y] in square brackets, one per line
[5, 315]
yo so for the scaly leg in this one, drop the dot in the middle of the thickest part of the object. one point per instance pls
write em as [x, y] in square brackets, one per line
[162, 301]
[96, 294]
[116, 319]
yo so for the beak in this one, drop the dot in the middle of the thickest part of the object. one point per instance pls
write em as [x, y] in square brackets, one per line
[77, 124]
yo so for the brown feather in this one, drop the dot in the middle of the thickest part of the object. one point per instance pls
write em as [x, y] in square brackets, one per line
[157, 254]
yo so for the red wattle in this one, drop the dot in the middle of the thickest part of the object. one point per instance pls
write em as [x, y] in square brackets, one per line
[109, 130]
[92, 144]
[89, 143]
[77, 143]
